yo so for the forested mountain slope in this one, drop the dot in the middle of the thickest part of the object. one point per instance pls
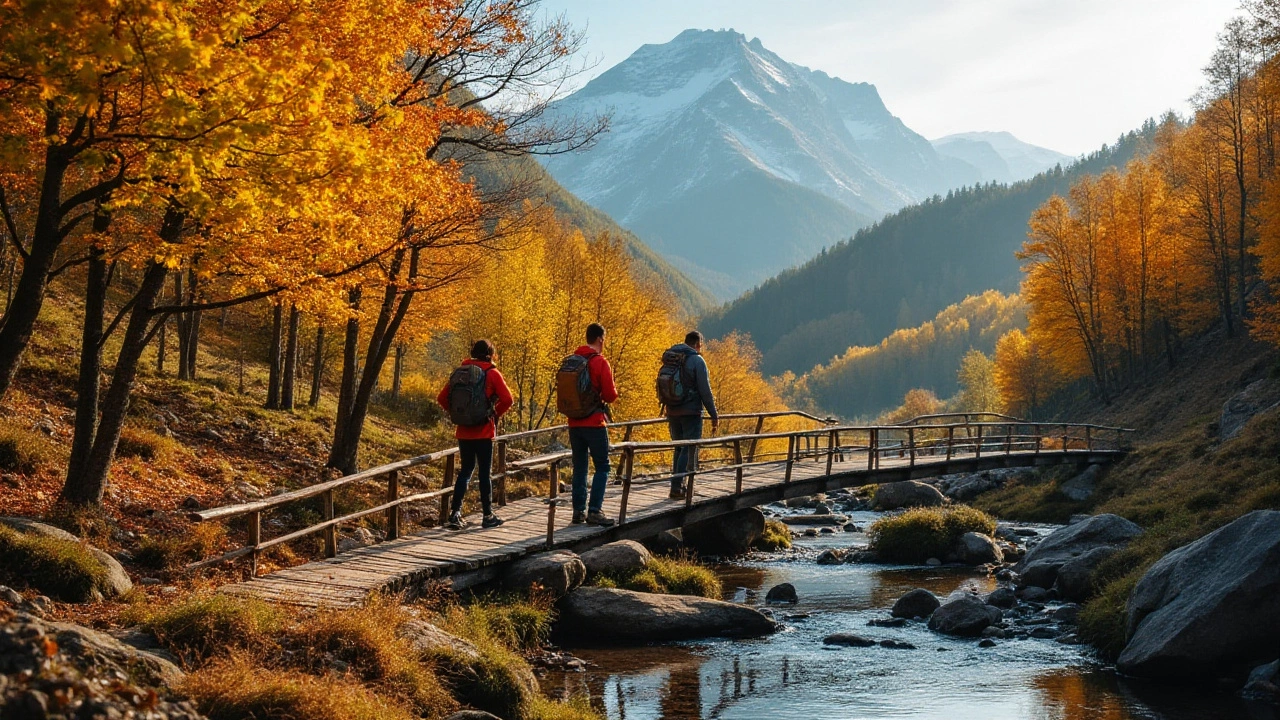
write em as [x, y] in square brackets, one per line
[903, 270]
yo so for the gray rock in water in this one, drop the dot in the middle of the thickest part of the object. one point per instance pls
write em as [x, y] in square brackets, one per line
[1002, 597]
[1067, 613]
[782, 593]
[933, 562]
[1075, 577]
[966, 616]
[1263, 682]
[1031, 593]
[830, 557]
[847, 640]
[725, 535]
[1040, 566]
[1260, 396]
[557, 572]
[1208, 604]
[897, 645]
[907, 493]
[667, 542]
[915, 603]
[1081, 487]
[977, 549]
[887, 622]
[112, 584]
[815, 519]
[633, 618]
[616, 557]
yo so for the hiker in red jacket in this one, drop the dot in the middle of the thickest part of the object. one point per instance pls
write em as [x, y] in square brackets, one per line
[475, 397]
[583, 391]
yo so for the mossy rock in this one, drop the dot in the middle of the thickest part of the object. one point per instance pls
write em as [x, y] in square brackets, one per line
[59, 564]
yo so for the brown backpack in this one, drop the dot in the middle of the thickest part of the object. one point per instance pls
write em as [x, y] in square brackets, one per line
[576, 397]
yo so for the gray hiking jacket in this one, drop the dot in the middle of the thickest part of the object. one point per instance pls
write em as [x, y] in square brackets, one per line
[701, 397]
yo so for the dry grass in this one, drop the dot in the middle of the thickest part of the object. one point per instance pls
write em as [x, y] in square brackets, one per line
[776, 536]
[1036, 499]
[206, 625]
[24, 451]
[666, 576]
[174, 551]
[918, 534]
[63, 569]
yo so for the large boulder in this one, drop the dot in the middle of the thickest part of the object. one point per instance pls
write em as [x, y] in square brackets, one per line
[1260, 396]
[782, 593]
[965, 616]
[729, 534]
[109, 582]
[916, 603]
[425, 638]
[977, 549]
[1040, 567]
[633, 618]
[1081, 487]
[558, 572]
[908, 493]
[1075, 577]
[1209, 605]
[963, 487]
[616, 557]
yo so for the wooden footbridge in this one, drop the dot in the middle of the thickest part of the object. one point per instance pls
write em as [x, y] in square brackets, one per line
[733, 471]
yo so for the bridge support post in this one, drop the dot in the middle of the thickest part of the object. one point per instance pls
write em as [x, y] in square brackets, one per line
[627, 464]
[330, 532]
[751, 453]
[255, 537]
[1008, 439]
[1088, 438]
[552, 493]
[445, 499]
[1035, 430]
[737, 460]
[693, 472]
[792, 445]
[911, 441]
[833, 441]
[977, 449]
[951, 438]
[393, 512]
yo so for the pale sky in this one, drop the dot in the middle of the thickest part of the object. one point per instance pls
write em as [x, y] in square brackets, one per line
[1066, 74]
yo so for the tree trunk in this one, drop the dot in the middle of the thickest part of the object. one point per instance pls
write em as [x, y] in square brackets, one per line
[317, 368]
[160, 343]
[192, 343]
[87, 485]
[347, 388]
[396, 369]
[274, 358]
[88, 386]
[290, 373]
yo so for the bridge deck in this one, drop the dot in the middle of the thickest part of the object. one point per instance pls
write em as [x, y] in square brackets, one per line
[475, 555]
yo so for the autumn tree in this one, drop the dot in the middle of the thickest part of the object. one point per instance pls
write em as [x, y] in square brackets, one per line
[979, 391]
[1023, 376]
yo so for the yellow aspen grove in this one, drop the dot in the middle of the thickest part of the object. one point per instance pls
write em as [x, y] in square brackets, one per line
[1023, 376]
[979, 391]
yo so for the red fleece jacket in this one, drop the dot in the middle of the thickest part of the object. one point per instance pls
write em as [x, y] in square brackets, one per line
[494, 387]
[602, 380]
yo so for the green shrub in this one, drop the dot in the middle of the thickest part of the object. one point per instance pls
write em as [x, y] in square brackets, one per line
[236, 688]
[776, 536]
[208, 625]
[63, 569]
[667, 576]
[514, 623]
[1103, 619]
[918, 534]
[24, 451]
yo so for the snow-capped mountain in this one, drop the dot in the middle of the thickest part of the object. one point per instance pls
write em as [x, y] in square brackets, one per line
[999, 155]
[736, 164]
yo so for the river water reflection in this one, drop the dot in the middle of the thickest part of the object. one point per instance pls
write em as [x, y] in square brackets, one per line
[792, 675]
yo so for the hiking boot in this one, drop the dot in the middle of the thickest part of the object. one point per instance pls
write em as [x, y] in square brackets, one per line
[579, 517]
[597, 517]
[676, 494]
[491, 521]
[455, 521]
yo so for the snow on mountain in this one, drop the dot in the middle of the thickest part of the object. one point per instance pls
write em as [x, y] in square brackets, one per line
[736, 164]
[999, 155]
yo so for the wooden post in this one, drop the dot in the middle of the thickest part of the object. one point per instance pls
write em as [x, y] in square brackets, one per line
[911, 440]
[1035, 430]
[751, 452]
[737, 460]
[552, 493]
[1008, 439]
[977, 449]
[833, 440]
[449, 464]
[693, 471]
[951, 436]
[792, 444]
[628, 464]
[502, 473]
[255, 537]
[554, 474]
[331, 532]
[393, 512]
[873, 442]
[1088, 438]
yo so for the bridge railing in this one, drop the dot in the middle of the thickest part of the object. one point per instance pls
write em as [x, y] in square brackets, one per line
[928, 438]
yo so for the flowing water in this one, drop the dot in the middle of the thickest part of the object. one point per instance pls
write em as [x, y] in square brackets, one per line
[793, 675]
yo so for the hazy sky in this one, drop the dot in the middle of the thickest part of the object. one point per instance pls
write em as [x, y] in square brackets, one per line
[1065, 74]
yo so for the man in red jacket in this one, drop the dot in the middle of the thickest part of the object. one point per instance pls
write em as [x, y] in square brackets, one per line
[475, 442]
[590, 435]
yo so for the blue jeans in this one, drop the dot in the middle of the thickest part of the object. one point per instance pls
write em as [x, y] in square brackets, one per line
[683, 459]
[595, 442]
[476, 454]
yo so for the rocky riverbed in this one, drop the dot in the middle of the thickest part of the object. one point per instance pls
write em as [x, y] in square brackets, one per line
[1026, 665]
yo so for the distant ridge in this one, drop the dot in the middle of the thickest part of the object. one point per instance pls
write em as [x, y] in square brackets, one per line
[1000, 156]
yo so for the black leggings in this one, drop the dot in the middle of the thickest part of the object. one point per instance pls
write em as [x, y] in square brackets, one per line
[475, 453]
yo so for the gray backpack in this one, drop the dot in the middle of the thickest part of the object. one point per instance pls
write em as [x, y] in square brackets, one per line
[469, 404]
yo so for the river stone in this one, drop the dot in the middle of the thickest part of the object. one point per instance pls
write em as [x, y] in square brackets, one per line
[830, 557]
[1075, 577]
[725, 535]
[1040, 566]
[916, 603]
[1263, 682]
[88, 647]
[425, 637]
[625, 617]
[1209, 604]
[114, 582]
[907, 493]
[558, 572]
[966, 616]
[1260, 396]
[1080, 487]
[815, 519]
[782, 593]
[977, 549]
[616, 557]
[847, 640]
[667, 542]
[1002, 597]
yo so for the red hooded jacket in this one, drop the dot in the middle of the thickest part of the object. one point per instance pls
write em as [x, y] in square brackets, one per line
[602, 379]
[494, 387]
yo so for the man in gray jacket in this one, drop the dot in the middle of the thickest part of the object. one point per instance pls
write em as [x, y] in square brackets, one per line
[685, 419]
